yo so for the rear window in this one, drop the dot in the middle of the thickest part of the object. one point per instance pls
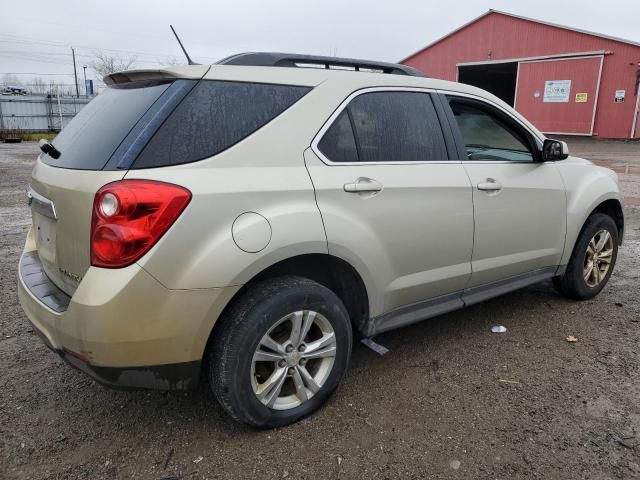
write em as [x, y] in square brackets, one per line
[214, 116]
[89, 140]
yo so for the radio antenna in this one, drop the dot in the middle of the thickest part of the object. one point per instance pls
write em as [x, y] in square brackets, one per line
[191, 62]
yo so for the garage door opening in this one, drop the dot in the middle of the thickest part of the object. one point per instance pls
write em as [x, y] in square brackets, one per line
[498, 78]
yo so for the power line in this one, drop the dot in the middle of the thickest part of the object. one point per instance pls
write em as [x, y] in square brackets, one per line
[42, 58]
[36, 73]
[56, 62]
[44, 52]
[23, 39]
[91, 28]
[63, 57]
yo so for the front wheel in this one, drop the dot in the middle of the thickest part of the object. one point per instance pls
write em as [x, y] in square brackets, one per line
[592, 260]
[280, 351]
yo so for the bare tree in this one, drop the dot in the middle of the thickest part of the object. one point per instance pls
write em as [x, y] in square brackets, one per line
[9, 79]
[39, 86]
[106, 64]
[170, 61]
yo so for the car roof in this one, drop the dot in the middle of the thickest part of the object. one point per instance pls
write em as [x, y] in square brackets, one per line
[304, 76]
[313, 76]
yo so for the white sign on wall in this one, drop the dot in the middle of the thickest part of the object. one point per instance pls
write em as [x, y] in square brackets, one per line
[557, 91]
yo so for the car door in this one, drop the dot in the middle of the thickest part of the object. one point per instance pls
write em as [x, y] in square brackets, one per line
[519, 201]
[394, 206]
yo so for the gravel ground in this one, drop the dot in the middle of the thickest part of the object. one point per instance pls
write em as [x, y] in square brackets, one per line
[450, 400]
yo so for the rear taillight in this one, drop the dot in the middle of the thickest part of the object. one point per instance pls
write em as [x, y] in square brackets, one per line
[130, 216]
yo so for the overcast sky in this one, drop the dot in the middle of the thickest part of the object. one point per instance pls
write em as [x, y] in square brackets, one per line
[35, 36]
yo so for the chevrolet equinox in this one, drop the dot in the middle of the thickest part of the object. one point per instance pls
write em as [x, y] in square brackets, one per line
[243, 222]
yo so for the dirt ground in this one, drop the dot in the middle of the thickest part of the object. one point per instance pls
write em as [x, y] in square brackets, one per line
[450, 400]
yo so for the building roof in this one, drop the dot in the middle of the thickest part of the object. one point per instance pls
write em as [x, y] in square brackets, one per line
[555, 25]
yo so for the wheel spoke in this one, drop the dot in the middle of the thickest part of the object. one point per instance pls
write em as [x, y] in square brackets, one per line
[588, 271]
[271, 344]
[321, 353]
[325, 340]
[301, 390]
[262, 356]
[308, 379]
[604, 237]
[592, 245]
[596, 275]
[605, 254]
[301, 323]
[269, 391]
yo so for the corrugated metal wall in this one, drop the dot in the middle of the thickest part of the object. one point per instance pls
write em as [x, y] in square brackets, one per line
[570, 117]
[502, 37]
[36, 113]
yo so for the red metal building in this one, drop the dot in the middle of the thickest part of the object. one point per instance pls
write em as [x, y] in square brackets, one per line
[564, 80]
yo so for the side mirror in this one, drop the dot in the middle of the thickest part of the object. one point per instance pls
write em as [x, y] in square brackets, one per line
[553, 150]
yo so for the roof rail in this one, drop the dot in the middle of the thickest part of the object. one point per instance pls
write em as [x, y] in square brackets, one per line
[269, 59]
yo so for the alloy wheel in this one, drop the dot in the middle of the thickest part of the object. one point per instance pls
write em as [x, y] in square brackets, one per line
[597, 259]
[293, 360]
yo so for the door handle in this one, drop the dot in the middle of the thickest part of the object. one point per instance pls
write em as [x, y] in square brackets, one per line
[490, 185]
[363, 185]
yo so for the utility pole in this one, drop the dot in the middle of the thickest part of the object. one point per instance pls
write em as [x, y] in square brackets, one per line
[75, 73]
[86, 93]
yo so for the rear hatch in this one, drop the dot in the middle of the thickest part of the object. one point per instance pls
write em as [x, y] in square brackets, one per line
[95, 148]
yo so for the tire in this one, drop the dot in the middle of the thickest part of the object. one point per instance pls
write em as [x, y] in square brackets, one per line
[573, 283]
[270, 307]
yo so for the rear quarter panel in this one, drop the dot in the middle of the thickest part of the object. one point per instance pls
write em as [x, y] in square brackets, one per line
[199, 250]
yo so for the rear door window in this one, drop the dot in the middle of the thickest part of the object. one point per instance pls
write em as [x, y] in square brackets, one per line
[214, 116]
[388, 126]
[339, 144]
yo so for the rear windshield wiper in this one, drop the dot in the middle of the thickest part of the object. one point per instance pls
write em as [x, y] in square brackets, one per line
[49, 149]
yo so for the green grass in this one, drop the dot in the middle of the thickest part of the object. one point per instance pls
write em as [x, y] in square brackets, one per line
[27, 137]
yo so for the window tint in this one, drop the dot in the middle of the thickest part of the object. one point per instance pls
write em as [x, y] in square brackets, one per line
[389, 127]
[89, 140]
[488, 136]
[214, 116]
[338, 144]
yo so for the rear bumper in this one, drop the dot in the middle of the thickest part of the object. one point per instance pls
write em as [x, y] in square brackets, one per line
[177, 376]
[122, 327]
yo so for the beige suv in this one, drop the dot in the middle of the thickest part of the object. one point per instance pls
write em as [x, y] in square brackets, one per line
[244, 222]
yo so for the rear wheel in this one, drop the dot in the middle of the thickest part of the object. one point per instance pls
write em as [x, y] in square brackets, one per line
[592, 260]
[280, 351]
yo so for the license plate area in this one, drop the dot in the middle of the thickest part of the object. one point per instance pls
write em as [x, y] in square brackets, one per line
[44, 229]
[44, 218]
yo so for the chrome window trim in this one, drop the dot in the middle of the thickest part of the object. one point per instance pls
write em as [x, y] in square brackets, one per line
[343, 105]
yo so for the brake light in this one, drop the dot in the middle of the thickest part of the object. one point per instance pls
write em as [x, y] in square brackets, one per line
[130, 216]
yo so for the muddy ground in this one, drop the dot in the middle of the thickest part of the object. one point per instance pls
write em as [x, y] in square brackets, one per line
[450, 400]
